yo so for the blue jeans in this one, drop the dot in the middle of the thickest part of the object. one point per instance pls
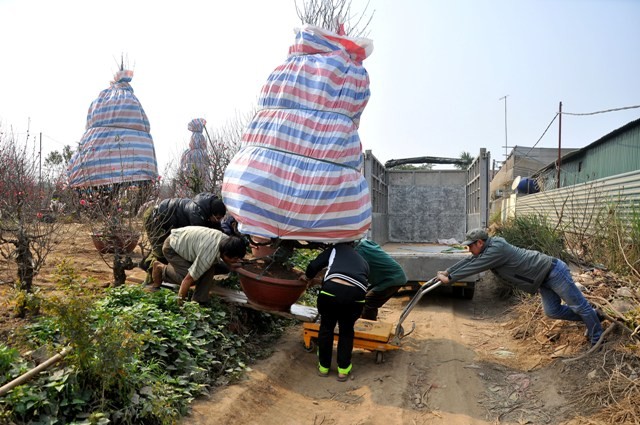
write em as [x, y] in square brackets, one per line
[559, 287]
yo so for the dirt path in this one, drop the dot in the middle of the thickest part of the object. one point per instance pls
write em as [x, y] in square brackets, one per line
[459, 366]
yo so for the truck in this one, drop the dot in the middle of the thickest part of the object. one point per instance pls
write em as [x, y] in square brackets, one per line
[420, 216]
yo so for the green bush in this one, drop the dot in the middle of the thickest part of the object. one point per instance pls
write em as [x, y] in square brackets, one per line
[9, 358]
[300, 260]
[615, 242]
[137, 358]
[533, 232]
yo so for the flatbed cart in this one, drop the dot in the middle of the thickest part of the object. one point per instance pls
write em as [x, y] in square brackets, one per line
[372, 335]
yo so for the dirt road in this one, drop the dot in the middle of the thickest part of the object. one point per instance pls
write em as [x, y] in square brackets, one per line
[461, 365]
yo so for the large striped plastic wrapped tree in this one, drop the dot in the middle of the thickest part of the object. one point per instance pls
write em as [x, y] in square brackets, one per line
[298, 174]
[116, 146]
[194, 161]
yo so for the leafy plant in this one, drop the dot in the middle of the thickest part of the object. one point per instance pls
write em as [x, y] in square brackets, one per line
[25, 303]
[136, 358]
[615, 239]
[300, 260]
[8, 359]
[533, 232]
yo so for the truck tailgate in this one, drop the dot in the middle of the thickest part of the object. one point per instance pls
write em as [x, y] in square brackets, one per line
[421, 261]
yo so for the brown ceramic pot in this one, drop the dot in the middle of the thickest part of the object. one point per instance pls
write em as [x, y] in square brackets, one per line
[123, 243]
[260, 251]
[270, 292]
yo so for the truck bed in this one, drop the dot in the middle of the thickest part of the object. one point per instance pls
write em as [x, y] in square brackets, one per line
[421, 261]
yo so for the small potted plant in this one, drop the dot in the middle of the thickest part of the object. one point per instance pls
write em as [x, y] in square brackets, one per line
[115, 238]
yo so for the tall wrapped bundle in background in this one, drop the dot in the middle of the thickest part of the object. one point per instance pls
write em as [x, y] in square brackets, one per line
[116, 146]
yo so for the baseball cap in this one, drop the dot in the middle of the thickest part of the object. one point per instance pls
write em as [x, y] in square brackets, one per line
[474, 235]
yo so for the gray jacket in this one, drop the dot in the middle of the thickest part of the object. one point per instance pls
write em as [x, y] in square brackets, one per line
[524, 269]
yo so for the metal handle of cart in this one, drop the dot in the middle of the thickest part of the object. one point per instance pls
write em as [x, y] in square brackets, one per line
[428, 286]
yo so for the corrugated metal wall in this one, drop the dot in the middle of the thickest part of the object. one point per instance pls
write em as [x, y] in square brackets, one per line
[621, 154]
[578, 206]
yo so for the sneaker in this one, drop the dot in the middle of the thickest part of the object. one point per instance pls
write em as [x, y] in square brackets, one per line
[144, 263]
[343, 378]
[156, 273]
[323, 371]
[344, 374]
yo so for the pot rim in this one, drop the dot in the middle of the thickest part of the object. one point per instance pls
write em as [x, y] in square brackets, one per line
[269, 279]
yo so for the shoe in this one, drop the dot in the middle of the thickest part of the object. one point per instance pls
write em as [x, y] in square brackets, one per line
[599, 313]
[156, 273]
[151, 288]
[344, 374]
[323, 371]
[343, 378]
[144, 264]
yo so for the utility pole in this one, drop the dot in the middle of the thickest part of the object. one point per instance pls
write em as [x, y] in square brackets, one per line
[506, 145]
[559, 146]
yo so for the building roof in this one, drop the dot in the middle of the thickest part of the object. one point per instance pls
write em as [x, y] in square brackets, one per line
[628, 126]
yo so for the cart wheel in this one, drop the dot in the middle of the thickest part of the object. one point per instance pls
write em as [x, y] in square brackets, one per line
[379, 357]
[312, 346]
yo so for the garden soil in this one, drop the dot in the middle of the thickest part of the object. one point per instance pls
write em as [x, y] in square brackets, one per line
[461, 365]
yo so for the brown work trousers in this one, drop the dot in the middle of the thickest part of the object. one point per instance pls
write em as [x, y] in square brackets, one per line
[376, 299]
[178, 268]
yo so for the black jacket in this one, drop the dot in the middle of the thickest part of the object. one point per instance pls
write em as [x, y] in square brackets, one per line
[343, 262]
[174, 213]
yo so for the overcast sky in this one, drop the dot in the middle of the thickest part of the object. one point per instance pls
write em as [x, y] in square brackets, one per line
[438, 70]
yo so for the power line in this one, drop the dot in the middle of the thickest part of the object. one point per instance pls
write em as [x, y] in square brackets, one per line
[543, 133]
[535, 144]
[54, 140]
[573, 114]
[601, 112]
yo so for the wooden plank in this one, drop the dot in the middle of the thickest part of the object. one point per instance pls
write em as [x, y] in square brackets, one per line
[369, 330]
[297, 311]
[373, 330]
[134, 279]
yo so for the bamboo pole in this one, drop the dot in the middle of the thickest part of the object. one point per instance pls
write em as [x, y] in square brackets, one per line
[33, 372]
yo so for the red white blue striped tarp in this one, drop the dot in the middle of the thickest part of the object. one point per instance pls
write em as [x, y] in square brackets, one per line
[298, 172]
[116, 146]
[194, 161]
